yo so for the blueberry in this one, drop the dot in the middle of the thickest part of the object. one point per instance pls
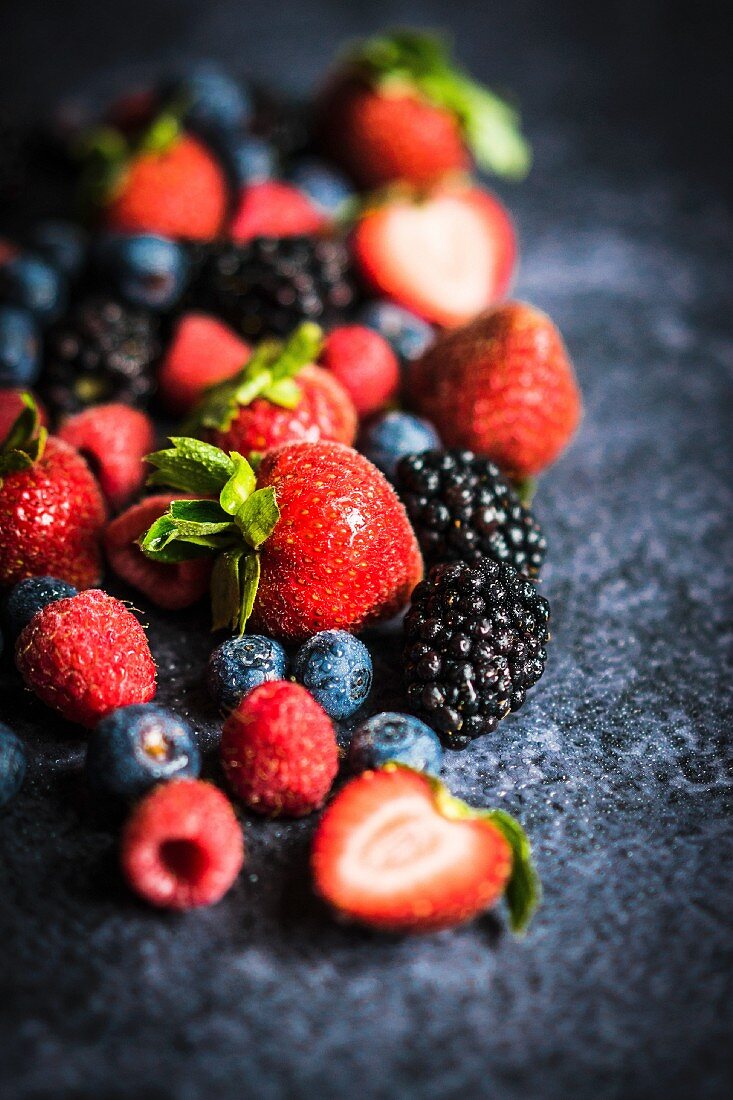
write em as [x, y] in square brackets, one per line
[12, 764]
[327, 188]
[136, 747]
[240, 664]
[336, 668]
[146, 270]
[61, 243]
[393, 435]
[407, 333]
[251, 159]
[34, 284]
[27, 597]
[215, 102]
[399, 737]
[19, 347]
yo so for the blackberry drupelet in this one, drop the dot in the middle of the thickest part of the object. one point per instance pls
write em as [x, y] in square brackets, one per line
[269, 285]
[464, 509]
[475, 642]
[101, 351]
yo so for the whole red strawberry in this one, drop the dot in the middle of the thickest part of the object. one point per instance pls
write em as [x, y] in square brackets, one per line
[364, 364]
[396, 852]
[51, 508]
[114, 439]
[86, 656]
[446, 255]
[279, 750]
[169, 184]
[399, 109]
[172, 585]
[274, 209]
[501, 386]
[278, 397]
[319, 540]
[202, 351]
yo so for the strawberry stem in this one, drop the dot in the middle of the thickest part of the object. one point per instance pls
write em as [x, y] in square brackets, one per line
[25, 442]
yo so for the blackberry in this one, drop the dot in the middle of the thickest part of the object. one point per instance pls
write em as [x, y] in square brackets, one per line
[463, 509]
[101, 351]
[474, 643]
[269, 285]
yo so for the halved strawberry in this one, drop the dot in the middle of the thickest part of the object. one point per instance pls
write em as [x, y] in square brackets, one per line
[446, 257]
[395, 851]
[171, 586]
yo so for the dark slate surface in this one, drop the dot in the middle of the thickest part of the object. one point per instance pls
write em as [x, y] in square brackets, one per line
[619, 765]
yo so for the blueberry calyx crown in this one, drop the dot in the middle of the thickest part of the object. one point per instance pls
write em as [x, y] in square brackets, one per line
[523, 890]
[25, 443]
[269, 373]
[421, 62]
[230, 523]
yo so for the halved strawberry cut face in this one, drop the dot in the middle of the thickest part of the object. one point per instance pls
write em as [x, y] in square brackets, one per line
[447, 258]
[171, 586]
[394, 851]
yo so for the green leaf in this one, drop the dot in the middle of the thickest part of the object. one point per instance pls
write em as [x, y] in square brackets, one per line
[226, 598]
[162, 134]
[199, 517]
[285, 393]
[25, 442]
[525, 488]
[421, 61]
[191, 466]
[523, 890]
[258, 517]
[249, 583]
[160, 543]
[103, 153]
[269, 373]
[240, 485]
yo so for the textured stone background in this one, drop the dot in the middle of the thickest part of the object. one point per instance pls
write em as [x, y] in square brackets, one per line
[620, 763]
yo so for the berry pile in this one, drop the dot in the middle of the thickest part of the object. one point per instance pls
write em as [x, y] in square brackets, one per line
[361, 404]
[476, 640]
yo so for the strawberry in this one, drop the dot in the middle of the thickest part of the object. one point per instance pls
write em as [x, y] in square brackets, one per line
[168, 183]
[202, 351]
[501, 386]
[279, 750]
[51, 509]
[364, 364]
[318, 541]
[85, 656]
[399, 109]
[114, 439]
[395, 851]
[279, 396]
[446, 256]
[274, 209]
[173, 585]
[11, 406]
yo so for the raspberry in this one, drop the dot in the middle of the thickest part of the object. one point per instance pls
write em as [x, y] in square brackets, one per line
[85, 656]
[364, 364]
[279, 750]
[182, 846]
[114, 440]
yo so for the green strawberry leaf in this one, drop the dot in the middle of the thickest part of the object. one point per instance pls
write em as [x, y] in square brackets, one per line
[249, 583]
[240, 485]
[523, 890]
[160, 543]
[525, 488]
[421, 61]
[226, 595]
[163, 132]
[258, 516]
[103, 153]
[199, 518]
[25, 442]
[191, 466]
[269, 373]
